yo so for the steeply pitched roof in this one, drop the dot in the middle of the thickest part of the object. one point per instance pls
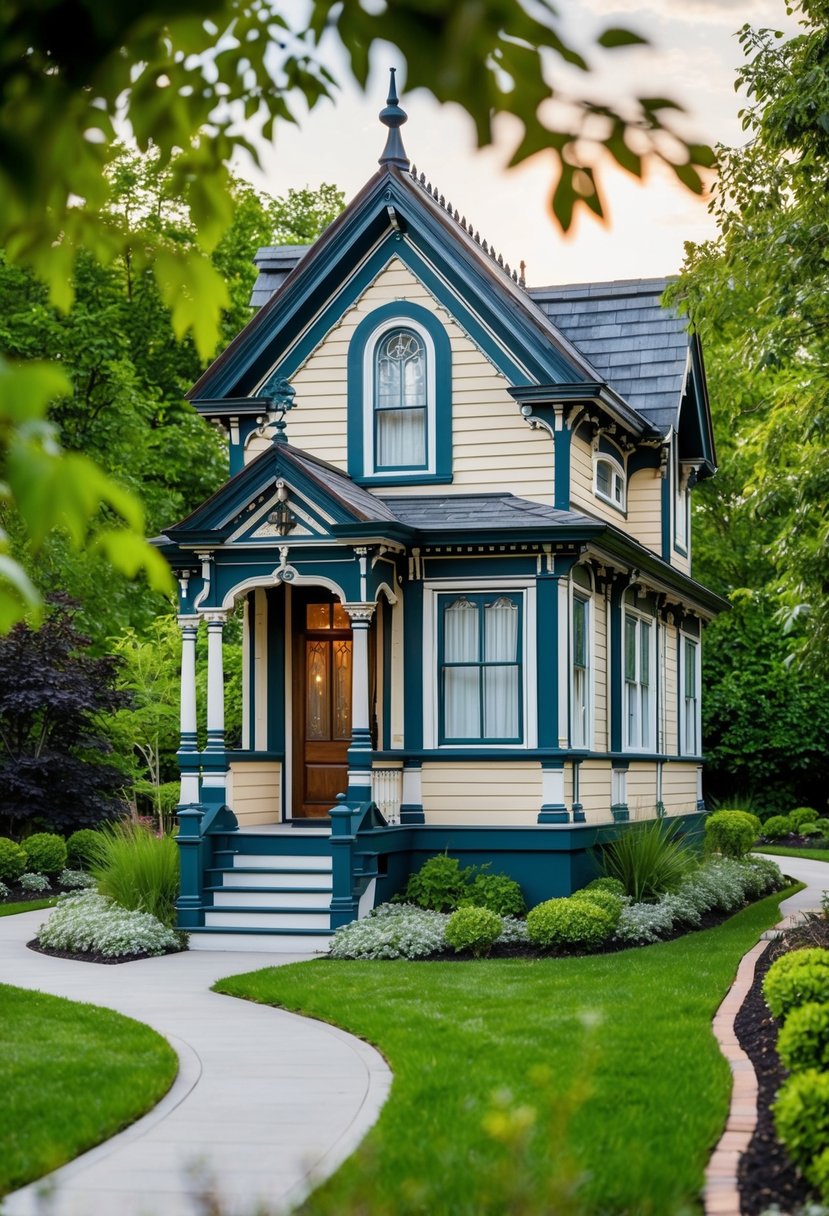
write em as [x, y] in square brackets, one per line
[274, 263]
[636, 344]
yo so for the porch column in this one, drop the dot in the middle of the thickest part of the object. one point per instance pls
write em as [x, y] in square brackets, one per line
[359, 752]
[214, 781]
[188, 744]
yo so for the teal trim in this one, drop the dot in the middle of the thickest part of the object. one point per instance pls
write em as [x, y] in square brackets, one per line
[620, 812]
[481, 663]
[666, 519]
[380, 480]
[276, 669]
[548, 671]
[386, 613]
[250, 599]
[413, 670]
[495, 566]
[440, 409]
[452, 754]
[562, 443]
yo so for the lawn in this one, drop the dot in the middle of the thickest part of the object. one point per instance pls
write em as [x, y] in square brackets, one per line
[29, 905]
[783, 851]
[572, 1085]
[71, 1075]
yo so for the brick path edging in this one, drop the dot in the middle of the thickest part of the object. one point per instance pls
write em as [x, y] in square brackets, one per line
[721, 1196]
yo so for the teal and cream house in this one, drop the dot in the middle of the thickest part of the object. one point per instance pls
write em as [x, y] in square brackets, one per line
[457, 527]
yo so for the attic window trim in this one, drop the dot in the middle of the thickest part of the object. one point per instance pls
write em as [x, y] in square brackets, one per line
[618, 476]
[385, 329]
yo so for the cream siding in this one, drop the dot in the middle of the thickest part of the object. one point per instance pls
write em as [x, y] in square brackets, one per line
[600, 674]
[254, 791]
[493, 448]
[594, 790]
[641, 791]
[582, 497]
[644, 505]
[507, 794]
[679, 788]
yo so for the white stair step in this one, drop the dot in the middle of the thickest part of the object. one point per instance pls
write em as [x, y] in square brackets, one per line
[271, 899]
[271, 876]
[266, 943]
[280, 861]
[224, 918]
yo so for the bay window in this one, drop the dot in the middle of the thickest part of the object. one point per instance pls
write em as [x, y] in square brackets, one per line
[479, 654]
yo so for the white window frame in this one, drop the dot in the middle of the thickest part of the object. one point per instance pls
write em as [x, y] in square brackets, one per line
[686, 721]
[583, 595]
[648, 744]
[431, 676]
[618, 472]
[369, 368]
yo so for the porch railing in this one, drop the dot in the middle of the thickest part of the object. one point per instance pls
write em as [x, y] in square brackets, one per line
[387, 792]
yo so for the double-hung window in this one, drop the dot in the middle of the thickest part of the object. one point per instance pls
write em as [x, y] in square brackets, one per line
[689, 725]
[581, 673]
[400, 401]
[480, 649]
[640, 686]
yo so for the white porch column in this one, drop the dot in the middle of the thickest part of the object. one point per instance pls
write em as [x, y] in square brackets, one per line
[215, 682]
[359, 752]
[188, 744]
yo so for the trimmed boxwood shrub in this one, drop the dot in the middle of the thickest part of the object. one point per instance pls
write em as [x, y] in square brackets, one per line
[45, 853]
[606, 884]
[818, 1174]
[795, 979]
[810, 829]
[439, 885]
[804, 1041]
[801, 1116]
[777, 827]
[607, 900]
[82, 848]
[497, 892]
[801, 815]
[731, 833]
[569, 922]
[12, 860]
[473, 928]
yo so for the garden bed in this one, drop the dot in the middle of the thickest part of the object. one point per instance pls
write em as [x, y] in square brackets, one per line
[80, 956]
[766, 1176]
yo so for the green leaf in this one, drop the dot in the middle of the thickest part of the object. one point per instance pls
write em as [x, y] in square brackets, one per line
[131, 554]
[614, 37]
[26, 389]
[18, 596]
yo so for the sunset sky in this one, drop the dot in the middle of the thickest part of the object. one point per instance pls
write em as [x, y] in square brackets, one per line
[692, 58]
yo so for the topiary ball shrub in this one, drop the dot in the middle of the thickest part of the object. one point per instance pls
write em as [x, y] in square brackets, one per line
[731, 833]
[801, 815]
[35, 884]
[804, 1040]
[12, 860]
[610, 902]
[82, 848]
[817, 1171]
[439, 885]
[810, 829]
[795, 979]
[474, 929]
[606, 884]
[801, 1116]
[566, 923]
[777, 827]
[497, 892]
[45, 853]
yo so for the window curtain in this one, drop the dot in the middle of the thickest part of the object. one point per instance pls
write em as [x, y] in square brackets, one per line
[501, 683]
[462, 697]
[400, 402]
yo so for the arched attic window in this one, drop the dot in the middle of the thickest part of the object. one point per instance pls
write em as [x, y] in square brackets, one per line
[610, 482]
[400, 401]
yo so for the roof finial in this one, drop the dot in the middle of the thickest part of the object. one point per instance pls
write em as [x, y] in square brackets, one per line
[393, 117]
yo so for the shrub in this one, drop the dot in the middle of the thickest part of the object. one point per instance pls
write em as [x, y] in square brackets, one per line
[801, 815]
[45, 853]
[648, 859]
[809, 829]
[473, 928]
[612, 904]
[817, 1171]
[91, 923]
[801, 1116]
[391, 931]
[777, 827]
[82, 848]
[606, 884]
[35, 884]
[138, 870]
[569, 922]
[12, 860]
[795, 979]
[766, 874]
[513, 930]
[439, 885]
[75, 880]
[497, 892]
[4, 891]
[804, 1040]
[823, 824]
[731, 833]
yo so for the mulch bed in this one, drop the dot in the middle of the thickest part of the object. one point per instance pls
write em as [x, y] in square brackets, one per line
[80, 957]
[765, 1175]
[17, 895]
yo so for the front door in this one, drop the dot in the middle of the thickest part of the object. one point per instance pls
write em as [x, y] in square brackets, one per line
[322, 705]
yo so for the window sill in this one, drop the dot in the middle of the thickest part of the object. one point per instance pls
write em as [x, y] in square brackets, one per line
[611, 503]
[402, 479]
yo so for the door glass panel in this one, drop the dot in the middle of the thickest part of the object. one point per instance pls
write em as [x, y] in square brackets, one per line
[341, 618]
[318, 616]
[317, 719]
[342, 690]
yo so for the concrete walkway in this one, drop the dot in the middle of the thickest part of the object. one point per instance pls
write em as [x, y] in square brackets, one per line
[265, 1106]
[815, 874]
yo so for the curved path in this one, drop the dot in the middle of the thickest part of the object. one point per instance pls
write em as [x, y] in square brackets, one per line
[265, 1106]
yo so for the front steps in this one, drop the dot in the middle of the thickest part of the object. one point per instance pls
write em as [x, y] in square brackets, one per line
[267, 892]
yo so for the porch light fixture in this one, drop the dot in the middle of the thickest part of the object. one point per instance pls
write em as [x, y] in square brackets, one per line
[281, 518]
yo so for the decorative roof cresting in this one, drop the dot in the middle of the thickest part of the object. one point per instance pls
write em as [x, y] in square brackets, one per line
[393, 117]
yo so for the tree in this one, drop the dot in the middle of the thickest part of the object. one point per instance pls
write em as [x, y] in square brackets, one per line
[180, 77]
[52, 748]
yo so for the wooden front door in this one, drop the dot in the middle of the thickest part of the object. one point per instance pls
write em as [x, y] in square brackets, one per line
[322, 705]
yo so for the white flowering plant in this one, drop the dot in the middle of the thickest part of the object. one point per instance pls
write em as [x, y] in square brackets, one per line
[75, 880]
[393, 931]
[34, 884]
[88, 923]
[4, 891]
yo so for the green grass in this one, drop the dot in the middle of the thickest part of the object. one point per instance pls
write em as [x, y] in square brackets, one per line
[581, 1085]
[29, 905]
[782, 851]
[71, 1075]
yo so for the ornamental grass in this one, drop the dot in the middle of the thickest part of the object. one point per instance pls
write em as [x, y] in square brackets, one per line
[138, 869]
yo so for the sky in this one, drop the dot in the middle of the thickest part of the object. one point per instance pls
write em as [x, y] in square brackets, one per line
[692, 58]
